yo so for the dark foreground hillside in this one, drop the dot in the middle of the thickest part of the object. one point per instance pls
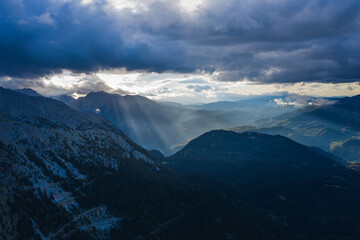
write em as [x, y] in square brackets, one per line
[299, 188]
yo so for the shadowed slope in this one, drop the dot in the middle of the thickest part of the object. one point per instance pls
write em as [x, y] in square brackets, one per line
[301, 189]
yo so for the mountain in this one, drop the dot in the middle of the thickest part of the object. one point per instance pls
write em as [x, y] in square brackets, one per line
[257, 107]
[349, 103]
[64, 98]
[348, 149]
[264, 102]
[163, 126]
[300, 188]
[71, 175]
[274, 130]
[29, 92]
[148, 123]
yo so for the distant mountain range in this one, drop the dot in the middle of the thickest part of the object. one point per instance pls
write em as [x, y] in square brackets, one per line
[163, 126]
[167, 126]
[261, 103]
[322, 126]
[301, 189]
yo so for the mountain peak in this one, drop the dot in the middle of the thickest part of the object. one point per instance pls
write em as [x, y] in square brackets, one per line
[29, 92]
[102, 95]
[99, 94]
[250, 147]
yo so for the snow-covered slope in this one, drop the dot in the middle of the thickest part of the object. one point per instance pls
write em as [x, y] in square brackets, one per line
[46, 151]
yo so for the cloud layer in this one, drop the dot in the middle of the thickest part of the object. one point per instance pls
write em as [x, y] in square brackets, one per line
[263, 41]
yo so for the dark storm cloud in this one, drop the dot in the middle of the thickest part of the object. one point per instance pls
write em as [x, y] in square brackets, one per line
[261, 41]
[42, 37]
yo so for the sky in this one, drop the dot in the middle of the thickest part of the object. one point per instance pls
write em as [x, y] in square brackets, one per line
[185, 51]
